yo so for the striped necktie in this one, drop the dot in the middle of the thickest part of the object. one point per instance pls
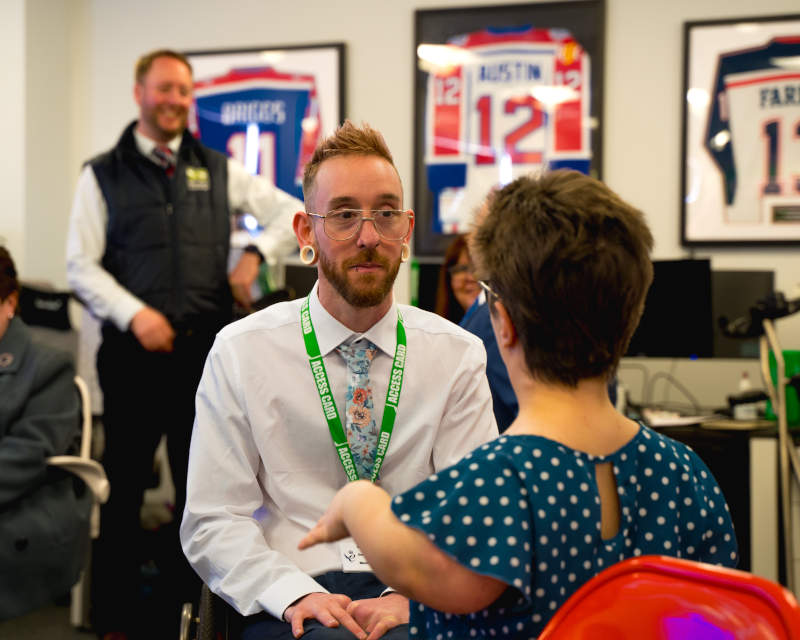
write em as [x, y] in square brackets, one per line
[164, 156]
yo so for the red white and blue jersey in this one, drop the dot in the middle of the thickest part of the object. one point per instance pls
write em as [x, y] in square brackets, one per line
[264, 118]
[753, 133]
[516, 100]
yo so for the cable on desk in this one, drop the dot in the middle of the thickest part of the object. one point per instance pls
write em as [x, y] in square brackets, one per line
[638, 367]
[670, 378]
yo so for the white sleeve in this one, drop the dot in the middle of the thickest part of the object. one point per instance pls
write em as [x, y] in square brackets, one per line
[468, 420]
[86, 244]
[220, 536]
[273, 208]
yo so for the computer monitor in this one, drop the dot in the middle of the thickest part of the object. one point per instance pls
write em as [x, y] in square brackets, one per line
[427, 284]
[733, 293]
[677, 321]
[299, 278]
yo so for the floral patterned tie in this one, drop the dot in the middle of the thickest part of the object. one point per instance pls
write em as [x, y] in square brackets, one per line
[360, 426]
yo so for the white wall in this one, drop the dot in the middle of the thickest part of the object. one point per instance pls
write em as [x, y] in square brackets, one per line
[12, 127]
[642, 110]
[48, 179]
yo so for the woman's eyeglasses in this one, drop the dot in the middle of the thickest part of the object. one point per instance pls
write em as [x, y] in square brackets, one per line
[458, 269]
[490, 293]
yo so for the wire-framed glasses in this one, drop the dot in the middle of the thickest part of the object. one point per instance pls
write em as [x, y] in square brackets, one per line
[460, 269]
[343, 224]
[490, 293]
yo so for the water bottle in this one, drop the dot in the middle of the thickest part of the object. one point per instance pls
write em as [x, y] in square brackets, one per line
[745, 410]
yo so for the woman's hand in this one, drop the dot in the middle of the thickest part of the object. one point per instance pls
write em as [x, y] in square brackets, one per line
[331, 526]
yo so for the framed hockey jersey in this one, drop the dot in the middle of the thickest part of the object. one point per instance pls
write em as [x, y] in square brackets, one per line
[266, 119]
[741, 155]
[501, 92]
[268, 108]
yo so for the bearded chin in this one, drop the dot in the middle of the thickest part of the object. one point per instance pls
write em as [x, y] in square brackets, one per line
[369, 292]
[152, 119]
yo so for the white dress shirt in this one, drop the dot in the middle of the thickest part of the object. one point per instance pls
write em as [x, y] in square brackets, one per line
[86, 237]
[262, 465]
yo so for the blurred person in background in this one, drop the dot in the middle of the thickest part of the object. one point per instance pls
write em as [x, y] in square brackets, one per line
[147, 252]
[457, 288]
[44, 512]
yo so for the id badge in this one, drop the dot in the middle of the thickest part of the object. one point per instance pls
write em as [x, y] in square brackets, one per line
[353, 561]
[197, 179]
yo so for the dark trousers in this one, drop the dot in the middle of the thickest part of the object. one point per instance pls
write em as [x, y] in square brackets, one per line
[358, 586]
[145, 395]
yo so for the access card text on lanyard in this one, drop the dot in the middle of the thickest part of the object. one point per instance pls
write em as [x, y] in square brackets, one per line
[329, 406]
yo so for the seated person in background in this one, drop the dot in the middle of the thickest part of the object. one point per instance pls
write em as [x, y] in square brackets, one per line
[44, 515]
[457, 288]
[505, 536]
[476, 320]
[296, 400]
[504, 401]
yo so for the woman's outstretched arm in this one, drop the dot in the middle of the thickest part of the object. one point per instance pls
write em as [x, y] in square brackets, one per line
[402, 557]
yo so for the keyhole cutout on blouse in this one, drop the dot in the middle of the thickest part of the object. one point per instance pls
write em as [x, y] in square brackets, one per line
[609, 499]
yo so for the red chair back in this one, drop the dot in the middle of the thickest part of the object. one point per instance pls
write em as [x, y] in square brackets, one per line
[664, 598]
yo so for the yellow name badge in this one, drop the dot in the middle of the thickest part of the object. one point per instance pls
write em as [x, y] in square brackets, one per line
[197, 179]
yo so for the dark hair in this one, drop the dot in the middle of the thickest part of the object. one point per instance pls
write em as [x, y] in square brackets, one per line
[348, 139]
[8, 275]
[146, 61]
[446, 304]
[570, 262]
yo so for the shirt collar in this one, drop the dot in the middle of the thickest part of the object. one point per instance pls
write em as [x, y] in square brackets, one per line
[146, 145]
[331, 333]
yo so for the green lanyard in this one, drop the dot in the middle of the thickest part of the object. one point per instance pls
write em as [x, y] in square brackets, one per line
[329, 406]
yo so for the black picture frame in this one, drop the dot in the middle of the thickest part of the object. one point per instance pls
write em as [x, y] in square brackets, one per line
[585, 19]
[325, 62]
[734, 191]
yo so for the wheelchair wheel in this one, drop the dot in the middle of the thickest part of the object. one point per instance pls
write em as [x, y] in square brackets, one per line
[206, 620]
[187, 622]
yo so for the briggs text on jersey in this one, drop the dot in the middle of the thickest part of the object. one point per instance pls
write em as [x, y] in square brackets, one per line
[246, 111]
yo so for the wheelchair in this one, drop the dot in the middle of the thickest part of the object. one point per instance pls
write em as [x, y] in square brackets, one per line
[214, 619]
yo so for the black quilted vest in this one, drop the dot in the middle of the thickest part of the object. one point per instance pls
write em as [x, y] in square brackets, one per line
[167, 240]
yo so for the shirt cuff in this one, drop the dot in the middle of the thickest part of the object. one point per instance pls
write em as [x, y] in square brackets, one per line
[123, 312]
[284, 591]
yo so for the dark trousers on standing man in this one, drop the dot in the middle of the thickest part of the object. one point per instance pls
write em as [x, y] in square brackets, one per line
[146, 395]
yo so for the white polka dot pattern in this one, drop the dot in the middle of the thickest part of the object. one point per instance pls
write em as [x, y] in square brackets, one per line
[525, 510]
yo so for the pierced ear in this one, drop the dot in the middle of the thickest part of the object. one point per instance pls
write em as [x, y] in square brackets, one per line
[303, 229]
[411, 225]
[504, 329]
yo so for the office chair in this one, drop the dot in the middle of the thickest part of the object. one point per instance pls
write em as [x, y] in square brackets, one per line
[94, 476]
[664, 598]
